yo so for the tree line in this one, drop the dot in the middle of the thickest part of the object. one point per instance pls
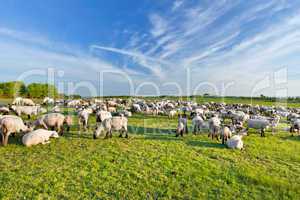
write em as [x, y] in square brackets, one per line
[33, 90]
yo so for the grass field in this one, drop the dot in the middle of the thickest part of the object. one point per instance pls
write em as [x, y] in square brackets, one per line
[151, 164]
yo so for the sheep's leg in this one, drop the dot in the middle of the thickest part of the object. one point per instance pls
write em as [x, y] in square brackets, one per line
[121, 134]
[5, 141]
[181, 133]
[2, 138]
[195, 130]
[223, 140]
[28, 116]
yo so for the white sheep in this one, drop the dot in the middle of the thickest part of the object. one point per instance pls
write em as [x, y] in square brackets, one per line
[236, 141]
[214, 127]
[40, 136]
[259, 124]
[10, 124]
[112, 124]
[54, 121]
[102, 115]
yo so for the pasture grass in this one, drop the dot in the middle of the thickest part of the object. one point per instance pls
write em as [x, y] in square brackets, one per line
[151, 164]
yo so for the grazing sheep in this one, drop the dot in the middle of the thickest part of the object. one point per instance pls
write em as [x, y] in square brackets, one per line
[295, 127]
[214, 127]
[102, 115]
[54, 121]
[27, 110]
[4, 110]
[39, 136]
[10, 124]
[260, 124]
[112, 124]
[48, 101]
[172, 113]
[23, 102]
[236, 141]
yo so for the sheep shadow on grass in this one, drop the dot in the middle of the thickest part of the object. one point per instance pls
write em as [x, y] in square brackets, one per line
[292, 138]
[205, 144]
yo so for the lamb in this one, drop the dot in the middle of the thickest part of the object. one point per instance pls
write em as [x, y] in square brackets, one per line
[180, 129]
[54, 121]
[10, 124]
[260, 124]
[112, 124]
[39, 136]
[236, 141]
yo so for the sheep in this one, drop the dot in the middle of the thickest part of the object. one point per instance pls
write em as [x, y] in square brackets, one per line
[23, 102]
[54, 121]
[214, 127]
[4, 110]
[27, 110]
[83, 117]
[260, 124]
[172, 113]
[102, 115]
[197, 123]
[48, 101]
[180, 129]
[112, 124]
[226, 134]
[295, 126]
[40, 136]
[10, 124]
[236, 141]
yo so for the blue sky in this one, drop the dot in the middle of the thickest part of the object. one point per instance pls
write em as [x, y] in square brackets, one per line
[162, 46]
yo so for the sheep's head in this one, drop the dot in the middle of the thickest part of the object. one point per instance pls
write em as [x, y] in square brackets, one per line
[54, 134]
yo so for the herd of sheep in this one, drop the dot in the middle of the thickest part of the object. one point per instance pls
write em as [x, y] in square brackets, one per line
[229, 122]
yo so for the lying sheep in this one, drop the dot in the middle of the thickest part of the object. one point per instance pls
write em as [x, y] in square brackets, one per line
[23, 102]
[112, 124]
[236, 141]
[39, 136]
[259, 124]
[54, 121]
[10, 124]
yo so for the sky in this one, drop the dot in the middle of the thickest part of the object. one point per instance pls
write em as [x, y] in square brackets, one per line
[153, 47]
